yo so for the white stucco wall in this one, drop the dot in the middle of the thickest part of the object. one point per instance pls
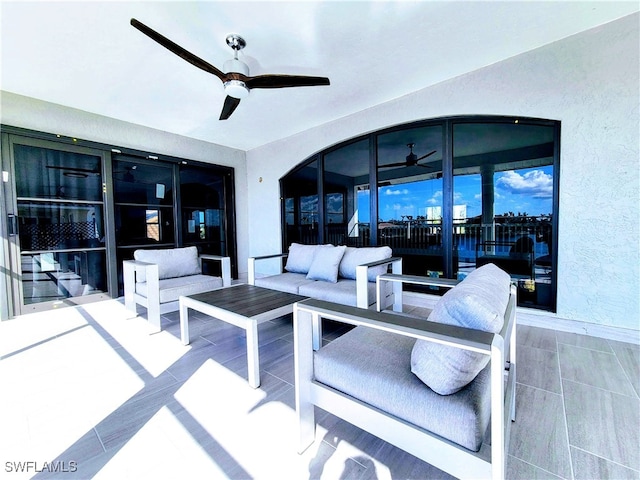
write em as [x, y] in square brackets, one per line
[590, 82]
[25, 112]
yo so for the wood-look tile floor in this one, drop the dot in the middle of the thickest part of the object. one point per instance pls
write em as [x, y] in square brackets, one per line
[90, 392]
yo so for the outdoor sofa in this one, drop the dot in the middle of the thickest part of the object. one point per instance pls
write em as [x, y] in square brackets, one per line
[340, 274]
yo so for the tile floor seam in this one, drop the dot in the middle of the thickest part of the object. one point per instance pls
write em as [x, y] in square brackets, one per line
[632, 397]
[536, 466]
[624, 372]
[104, 449]
[608, 460]
[564, 412]
[277, 377]
[541, 389]
[174, 377]
[585, 348]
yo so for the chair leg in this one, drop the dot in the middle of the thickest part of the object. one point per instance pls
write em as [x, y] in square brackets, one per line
[153, 317]
[129, 288]
[303, 325]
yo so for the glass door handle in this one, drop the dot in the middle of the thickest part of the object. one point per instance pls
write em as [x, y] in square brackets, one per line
[12, 224]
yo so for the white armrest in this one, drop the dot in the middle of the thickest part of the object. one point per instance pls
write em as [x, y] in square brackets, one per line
[419, 328]
[399, 280]
[362, 279]
[225, 265]
[251, 270]
[130, 270]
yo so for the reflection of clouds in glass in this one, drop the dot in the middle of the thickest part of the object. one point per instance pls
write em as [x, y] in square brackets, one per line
[436, 198]
[396, 192]
[334, 203]
[309, 204]
[534, 183]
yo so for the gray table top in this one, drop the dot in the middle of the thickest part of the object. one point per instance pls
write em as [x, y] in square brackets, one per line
[247, 300]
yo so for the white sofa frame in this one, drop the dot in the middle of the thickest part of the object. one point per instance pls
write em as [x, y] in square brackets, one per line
[362, 276]
[132, 268]
[488, 462]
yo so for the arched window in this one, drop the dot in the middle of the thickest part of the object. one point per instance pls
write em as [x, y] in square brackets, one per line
[451, 195]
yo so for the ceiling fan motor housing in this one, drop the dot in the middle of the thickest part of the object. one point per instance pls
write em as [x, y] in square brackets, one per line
[236, 88]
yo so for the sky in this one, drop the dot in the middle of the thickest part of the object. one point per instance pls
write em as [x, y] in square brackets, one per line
[527, 191]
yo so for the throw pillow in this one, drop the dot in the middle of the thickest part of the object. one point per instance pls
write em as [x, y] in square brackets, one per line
[357, 256]
[300, 258]
[325, 263]
[479, 302]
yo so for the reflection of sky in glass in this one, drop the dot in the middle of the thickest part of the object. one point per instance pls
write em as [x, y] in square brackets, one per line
[523, 191]
[334, 207]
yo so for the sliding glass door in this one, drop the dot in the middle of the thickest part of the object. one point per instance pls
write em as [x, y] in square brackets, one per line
[56, 215]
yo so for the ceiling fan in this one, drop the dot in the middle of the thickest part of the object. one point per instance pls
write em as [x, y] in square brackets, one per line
[75, 172]
[235, 77]
[411, 160]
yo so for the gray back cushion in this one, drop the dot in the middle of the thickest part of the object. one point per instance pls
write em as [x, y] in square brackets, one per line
[478, 302]
[172, 262]
[300, 258]
[325, 263]
[355, 256]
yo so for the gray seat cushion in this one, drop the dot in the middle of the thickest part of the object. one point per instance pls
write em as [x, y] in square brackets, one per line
[172, 288]
[374, 367]
[284, 282]
[342, 292]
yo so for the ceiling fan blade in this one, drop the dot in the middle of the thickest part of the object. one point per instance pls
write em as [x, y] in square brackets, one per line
[73, 169]
[283, 81]
[177, 49]
[425, 156]
[230, 104]
[399, 164]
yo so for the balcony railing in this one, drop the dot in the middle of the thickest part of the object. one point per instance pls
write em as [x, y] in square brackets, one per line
[414, 236]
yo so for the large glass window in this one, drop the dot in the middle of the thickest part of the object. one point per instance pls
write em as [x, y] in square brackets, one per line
[452, 195]
[346, 173]
[300, 196]
[503, 193]
[410, 197]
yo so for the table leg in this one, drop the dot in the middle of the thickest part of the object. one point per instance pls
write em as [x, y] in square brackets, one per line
[184, 323]
[253, 357]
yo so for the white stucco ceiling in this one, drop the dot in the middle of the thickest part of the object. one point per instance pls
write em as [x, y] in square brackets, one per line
[87, 56]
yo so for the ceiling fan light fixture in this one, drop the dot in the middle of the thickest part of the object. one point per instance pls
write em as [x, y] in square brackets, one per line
[236, 89]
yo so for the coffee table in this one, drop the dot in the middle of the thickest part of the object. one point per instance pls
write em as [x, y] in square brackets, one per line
[244, 306]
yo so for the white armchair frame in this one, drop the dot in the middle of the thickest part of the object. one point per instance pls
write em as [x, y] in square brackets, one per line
[489, 462]
[132, 268]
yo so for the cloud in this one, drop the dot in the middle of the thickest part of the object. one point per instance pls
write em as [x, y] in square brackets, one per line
[436, 199]
[534, 183]
[396, 192]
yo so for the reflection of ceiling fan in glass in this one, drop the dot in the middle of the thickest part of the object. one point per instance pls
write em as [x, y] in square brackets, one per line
[411, 160]
[128, 174]
[75, 172]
